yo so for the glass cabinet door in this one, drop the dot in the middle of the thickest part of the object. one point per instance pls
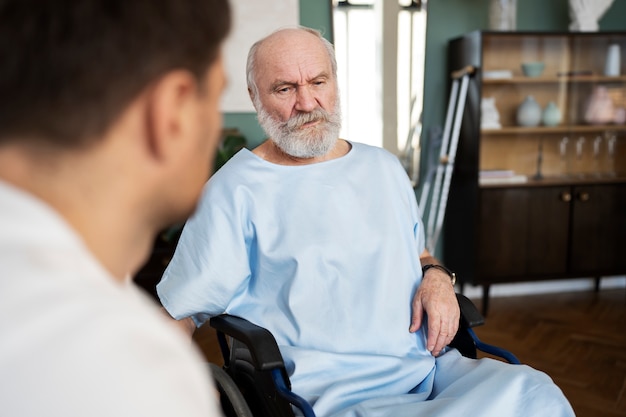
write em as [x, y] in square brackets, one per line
[553, 107]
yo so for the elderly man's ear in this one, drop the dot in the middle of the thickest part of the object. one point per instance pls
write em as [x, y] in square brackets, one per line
[251, 94]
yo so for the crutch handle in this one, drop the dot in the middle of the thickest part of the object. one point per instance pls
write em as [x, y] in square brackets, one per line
[469, 70]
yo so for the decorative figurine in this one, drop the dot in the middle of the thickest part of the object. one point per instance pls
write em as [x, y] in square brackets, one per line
[503, 14]
[490, 118]
[584, 14]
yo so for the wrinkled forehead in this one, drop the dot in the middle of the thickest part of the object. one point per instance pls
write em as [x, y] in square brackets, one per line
[292, 56]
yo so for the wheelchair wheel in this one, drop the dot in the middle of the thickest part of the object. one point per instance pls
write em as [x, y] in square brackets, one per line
[232, 402]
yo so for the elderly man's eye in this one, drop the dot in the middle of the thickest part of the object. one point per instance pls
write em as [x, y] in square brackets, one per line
[284, 89]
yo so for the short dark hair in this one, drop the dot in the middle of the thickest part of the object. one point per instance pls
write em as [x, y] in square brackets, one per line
[68, 68]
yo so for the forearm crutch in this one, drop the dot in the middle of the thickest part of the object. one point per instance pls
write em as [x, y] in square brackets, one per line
[447, 154]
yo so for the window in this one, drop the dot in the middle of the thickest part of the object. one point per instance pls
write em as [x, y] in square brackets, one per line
[381, 98]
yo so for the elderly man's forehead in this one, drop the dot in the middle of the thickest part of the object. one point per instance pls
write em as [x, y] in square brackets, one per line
[298, 52]
[289, 39]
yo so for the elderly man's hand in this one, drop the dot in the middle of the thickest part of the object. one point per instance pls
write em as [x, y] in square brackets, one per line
[435, 297]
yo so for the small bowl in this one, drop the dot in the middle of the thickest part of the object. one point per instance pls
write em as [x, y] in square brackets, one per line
[533, 69]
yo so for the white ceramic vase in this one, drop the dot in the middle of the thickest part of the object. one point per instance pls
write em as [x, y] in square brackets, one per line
[529, 112]
[503, 15]
[613, 62]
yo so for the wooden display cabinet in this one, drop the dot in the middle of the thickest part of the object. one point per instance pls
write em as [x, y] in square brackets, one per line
[533, 200]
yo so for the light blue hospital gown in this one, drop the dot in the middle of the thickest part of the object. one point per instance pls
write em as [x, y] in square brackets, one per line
[326, 256]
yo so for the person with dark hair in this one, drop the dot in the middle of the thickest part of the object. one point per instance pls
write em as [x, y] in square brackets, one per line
[319, 240]
[109, 123]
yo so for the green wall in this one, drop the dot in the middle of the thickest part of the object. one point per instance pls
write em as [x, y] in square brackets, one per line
[448, 19]
[313, 13]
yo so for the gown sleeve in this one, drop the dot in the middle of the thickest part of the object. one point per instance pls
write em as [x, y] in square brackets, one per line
[210, 266]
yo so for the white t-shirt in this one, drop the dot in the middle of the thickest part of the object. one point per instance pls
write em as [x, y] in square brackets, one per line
[75, 342]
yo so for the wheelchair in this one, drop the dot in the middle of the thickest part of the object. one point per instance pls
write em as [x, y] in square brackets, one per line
[254, 382]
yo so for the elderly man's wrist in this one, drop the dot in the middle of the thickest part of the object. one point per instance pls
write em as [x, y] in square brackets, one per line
[430, 267]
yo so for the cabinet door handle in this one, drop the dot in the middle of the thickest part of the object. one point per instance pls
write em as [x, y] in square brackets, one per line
[566, 196]
[583, 196]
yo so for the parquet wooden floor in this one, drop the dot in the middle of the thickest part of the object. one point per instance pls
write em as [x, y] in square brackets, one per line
[579, 339]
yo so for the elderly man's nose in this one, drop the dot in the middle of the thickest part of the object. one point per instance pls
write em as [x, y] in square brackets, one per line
[305, 100]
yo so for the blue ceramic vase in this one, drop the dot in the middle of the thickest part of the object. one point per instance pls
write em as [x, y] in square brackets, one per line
[551, 115]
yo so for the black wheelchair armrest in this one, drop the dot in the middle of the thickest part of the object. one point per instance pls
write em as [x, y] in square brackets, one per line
[470, 316]
[259, 341]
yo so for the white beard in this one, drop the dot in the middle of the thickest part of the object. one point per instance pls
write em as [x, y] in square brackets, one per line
[308, 142]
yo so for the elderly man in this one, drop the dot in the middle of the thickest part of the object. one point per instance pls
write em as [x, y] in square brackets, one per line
[109, 118]
[319, 240]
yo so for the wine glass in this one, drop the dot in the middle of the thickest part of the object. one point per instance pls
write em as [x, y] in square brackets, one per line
[564, 159]
[609, 153]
